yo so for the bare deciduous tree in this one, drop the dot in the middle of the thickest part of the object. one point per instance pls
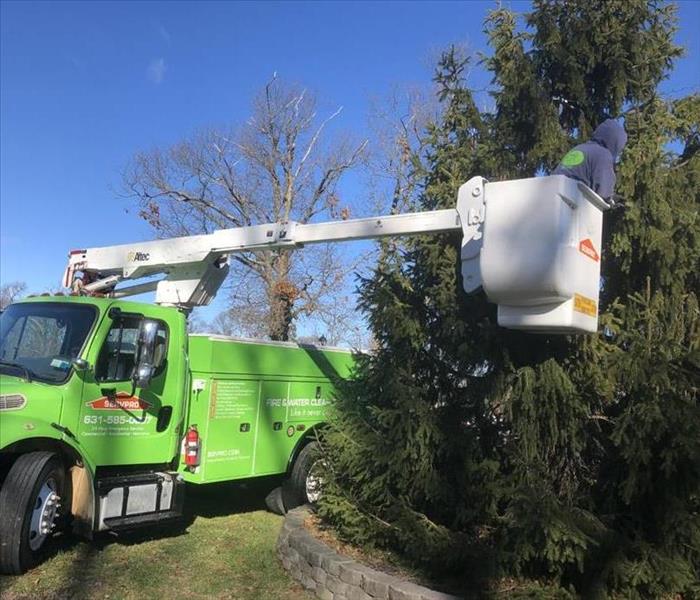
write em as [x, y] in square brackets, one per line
[278, 166]
[400, 123]
[9, 292]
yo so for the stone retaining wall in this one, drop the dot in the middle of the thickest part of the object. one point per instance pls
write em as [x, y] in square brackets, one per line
[331, 576]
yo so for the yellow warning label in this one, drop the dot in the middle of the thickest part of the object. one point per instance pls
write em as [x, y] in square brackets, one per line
[585, 305]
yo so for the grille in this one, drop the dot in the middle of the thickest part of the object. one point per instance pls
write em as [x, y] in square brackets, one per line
[12, 401]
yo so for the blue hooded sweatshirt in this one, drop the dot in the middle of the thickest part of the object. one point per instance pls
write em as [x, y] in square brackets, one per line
[593, 162]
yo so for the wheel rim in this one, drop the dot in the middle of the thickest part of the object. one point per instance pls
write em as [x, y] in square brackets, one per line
[314, 482]
[44, 512]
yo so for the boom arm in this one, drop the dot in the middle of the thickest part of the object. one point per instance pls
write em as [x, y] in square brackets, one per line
[194, 267]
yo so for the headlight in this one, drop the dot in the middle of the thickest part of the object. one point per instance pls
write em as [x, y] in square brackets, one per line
[12, 401]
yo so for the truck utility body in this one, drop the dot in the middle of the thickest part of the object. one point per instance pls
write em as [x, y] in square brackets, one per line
[108, 407]
[255, 401]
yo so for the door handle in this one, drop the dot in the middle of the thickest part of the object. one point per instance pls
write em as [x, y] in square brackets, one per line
[109, 392]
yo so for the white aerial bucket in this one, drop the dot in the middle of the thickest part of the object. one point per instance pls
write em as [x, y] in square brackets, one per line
[540, 257]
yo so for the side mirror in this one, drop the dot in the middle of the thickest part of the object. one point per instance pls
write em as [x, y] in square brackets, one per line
[80, 364]
[145, 354]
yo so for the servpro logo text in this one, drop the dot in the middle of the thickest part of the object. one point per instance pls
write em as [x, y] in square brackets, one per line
[120, 401]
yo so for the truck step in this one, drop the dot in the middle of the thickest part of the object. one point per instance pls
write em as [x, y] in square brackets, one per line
[130, 501]
[133, 522]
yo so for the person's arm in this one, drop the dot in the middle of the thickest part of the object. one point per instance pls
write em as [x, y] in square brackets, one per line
[604, 176]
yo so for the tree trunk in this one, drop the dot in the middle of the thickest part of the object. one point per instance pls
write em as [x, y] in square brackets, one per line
[282, 295]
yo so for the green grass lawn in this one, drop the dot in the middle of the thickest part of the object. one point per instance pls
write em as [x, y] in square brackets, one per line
[224, 549]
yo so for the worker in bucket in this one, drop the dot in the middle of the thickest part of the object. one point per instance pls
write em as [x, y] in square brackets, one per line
[79, 283]
[593, 162]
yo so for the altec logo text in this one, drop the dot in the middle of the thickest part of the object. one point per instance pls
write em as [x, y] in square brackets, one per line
[120, 401]
[138, 256]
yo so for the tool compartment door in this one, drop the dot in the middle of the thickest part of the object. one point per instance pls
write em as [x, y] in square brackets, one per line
[228, 437]
[274, 443]
[307, 402]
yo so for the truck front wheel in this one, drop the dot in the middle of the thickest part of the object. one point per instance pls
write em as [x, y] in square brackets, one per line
[29, 506]
[305, 482]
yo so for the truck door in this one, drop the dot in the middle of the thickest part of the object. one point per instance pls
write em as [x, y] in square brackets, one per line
[119, 425]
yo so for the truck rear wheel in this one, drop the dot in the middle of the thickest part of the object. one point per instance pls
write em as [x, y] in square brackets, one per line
[29, 506]
[305, 482]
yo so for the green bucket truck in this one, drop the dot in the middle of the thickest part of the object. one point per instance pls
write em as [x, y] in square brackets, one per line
[109, 408]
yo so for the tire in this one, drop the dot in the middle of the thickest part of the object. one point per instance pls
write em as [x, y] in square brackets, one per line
[29, 495]
[274, 501]
[302, 486]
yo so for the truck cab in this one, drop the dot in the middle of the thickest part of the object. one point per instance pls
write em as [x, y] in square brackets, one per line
[66, 365]
[72, 416]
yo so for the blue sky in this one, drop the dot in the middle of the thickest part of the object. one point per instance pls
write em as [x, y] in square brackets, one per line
[83, 86]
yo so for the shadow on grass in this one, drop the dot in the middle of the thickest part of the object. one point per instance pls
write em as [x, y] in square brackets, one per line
[220, 499]
[205, 501]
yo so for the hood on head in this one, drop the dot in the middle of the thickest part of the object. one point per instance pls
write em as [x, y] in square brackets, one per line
[611, 135]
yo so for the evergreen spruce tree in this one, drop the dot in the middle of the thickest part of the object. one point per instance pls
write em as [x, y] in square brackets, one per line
[474, 449]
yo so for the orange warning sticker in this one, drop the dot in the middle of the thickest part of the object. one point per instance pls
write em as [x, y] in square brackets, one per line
[586, 247]
[585, 305]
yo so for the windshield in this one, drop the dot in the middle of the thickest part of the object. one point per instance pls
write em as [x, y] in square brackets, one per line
[38, 340]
